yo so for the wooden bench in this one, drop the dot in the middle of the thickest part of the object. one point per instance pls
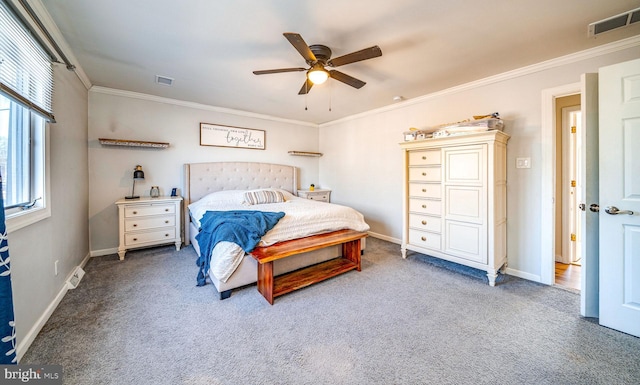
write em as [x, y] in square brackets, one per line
[271, 287]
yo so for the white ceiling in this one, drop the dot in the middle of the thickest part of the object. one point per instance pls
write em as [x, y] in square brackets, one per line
[211, 47]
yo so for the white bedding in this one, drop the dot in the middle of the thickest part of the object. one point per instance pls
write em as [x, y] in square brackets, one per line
[303, 217]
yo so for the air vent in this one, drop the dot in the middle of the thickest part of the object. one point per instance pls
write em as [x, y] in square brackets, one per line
[165, 81]
[614, 22]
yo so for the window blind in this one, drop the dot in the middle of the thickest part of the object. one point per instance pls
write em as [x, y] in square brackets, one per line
[26, 75]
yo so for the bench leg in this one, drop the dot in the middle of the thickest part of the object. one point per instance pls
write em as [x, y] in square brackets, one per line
[351, 251]
[265, 280]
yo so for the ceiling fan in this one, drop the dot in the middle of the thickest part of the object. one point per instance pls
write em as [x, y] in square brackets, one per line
[318, 57]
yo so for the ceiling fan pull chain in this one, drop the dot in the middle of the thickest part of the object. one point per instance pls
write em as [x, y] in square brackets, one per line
[306, 95]
[330, 93]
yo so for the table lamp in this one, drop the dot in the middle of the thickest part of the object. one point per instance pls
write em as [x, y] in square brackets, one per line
[138, 174]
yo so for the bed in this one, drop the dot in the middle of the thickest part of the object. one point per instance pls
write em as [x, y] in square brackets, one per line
[207, 181]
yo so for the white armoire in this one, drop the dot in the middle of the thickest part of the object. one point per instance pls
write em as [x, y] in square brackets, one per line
[454, 193]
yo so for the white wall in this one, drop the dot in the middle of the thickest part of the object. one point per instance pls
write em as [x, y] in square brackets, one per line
[117, 114]
[65, 235]
[363, 162]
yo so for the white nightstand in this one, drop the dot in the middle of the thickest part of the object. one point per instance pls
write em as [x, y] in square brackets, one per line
[316, 195]
[148, 222]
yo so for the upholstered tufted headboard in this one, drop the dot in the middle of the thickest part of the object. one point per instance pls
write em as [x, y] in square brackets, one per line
[201, 179]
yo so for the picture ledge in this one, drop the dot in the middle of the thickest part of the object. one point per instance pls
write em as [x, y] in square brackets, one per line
[305, 153]
[132, 143]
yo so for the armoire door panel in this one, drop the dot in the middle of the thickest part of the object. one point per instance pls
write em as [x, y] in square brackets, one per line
[464, 203]
[466, 240]
[464, 165]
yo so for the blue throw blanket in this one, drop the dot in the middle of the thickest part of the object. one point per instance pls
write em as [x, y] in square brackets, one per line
[244, 228]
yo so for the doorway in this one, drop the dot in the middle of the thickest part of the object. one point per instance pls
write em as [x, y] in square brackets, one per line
[567, 222]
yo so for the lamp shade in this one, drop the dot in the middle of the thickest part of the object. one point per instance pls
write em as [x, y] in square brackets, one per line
[318, 74]
[138, 173]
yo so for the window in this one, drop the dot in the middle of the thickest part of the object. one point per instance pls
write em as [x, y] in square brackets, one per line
[19, 154]
[26, 83]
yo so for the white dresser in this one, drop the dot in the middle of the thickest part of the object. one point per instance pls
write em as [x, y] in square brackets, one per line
[316, 195]
[148, 221]
[455, 199]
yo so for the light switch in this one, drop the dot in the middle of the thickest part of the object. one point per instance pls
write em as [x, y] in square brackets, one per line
[523, 162]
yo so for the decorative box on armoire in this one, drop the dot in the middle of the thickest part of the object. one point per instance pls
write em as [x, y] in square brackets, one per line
[454, 199]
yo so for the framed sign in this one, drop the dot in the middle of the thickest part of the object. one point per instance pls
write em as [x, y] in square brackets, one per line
[229, 136]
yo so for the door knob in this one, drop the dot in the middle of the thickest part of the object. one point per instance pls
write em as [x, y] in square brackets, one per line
[613, 210]
[594, 207]
[582, 206]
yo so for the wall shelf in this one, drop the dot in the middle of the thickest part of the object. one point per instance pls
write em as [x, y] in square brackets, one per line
[132, 143]
[305, 153]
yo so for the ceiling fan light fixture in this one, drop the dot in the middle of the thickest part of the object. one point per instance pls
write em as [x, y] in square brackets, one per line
[317, 74]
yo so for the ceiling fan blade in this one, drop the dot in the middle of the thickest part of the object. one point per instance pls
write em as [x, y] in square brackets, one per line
[363, 54]
[306, 87]
[346, 79]
[299, 44]
[275, 71]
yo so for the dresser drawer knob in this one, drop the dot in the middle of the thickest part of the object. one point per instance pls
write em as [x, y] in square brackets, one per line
[424, 239]
[424, 174]
[424, 223]
[166, 210]
[135, 239]
[424, 206]
[135, 225]
[135, 212]
[166, 235]
[424, 190]
[166, 221]
[424, 157]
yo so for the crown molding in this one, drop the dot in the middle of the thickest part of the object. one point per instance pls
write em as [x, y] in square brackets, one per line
[590, 53]
[198, 106]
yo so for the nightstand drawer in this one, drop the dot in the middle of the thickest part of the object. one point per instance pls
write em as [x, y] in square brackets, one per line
[132, 239]
[152, 209]
[317, 195]
[149, 223]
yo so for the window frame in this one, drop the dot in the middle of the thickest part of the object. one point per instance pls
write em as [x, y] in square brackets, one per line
[17, 218]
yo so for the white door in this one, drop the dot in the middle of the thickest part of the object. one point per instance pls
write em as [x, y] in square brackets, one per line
[619, 170]
[588, 243]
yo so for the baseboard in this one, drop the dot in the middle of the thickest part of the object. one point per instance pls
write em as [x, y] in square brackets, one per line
[385, 237]
[24, 345]
[100, 253]
[523, 275]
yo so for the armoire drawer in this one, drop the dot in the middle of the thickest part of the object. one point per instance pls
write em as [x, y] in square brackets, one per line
[425, 174]
[417, 158]
[424, 239]
[424, 222]
[425, 190]
[425, 206]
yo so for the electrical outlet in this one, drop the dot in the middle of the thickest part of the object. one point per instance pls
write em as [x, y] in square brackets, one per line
[523, 162]
[55, 267]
